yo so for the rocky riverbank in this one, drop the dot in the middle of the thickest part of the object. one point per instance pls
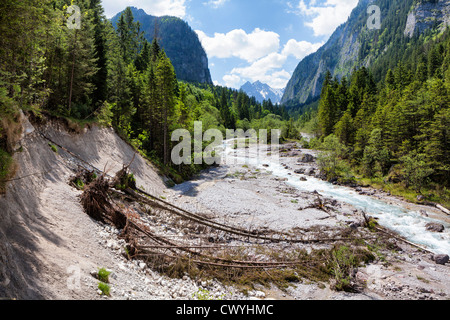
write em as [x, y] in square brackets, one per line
[253, 197]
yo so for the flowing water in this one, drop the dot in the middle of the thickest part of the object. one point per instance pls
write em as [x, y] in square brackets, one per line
[409, 224]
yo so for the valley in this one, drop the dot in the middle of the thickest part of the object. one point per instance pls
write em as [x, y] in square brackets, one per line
[349, 200]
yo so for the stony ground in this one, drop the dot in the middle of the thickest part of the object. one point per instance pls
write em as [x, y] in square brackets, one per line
[68, 248]
[248, 196]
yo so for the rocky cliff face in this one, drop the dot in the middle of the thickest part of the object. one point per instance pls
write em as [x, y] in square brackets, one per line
[426, 15]
[180, 43]
[339, 55]
[353, 45]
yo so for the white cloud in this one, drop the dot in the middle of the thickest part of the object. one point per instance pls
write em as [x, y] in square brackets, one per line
[326, 15]
[260, 68]
[231, 80]
[269, 69]
[300, 49]
[175, 8]
[237, 43]
[266, 70]
[215, 3]
[261, 50]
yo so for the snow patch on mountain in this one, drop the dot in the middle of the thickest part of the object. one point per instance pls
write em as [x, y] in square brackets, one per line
[262, 91]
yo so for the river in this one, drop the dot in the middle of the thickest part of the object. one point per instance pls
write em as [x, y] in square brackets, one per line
[410, 224]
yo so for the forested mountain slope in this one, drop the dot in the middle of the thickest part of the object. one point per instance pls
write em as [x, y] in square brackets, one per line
[354, 45]
[180, 43]
[395, 132]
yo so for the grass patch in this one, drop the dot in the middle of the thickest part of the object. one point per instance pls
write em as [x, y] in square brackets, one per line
[434, 193]
[205, 295]
[53, 147]
[82, 179]
[79, 184]
[423, 279]
[6, 169]
[105, 289]
[126, 181]
[103, 275]
[344, 260]
[376, 249]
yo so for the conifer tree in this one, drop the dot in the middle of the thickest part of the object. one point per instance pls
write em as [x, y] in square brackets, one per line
[100, 37]
[165, 75]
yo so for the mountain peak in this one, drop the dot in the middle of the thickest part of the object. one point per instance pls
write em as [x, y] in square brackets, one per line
[262, 91]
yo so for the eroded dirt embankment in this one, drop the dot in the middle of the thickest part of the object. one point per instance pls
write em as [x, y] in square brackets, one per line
[43, 228]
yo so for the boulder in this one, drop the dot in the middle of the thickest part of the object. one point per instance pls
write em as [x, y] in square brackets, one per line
[293, 154]
[423, 213]
[441, 259]
[355, 225]
[321, 175]
[307, 158]
[300, 171]
[435, 227]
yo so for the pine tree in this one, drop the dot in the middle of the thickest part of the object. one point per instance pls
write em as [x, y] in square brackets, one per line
[100, 37]
[119, 92]
[435, 59]
[130, 36]
[327, 111]
[82, 62]
[344, 129]
[165, 75]
[22, 49]
[390, 80]
[225, 111]
[144, 57]
[437, 149]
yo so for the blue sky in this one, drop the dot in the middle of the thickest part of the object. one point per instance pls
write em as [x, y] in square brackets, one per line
[250, 40]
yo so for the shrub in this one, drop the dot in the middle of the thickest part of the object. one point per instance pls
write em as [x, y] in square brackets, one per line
[79, 184]
[103, 275]
[105, 289]
[343, 263]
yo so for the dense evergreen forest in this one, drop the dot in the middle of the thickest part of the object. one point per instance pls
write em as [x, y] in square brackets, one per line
[113, 77]
[394, 131]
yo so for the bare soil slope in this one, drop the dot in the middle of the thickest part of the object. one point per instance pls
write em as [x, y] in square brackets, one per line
[44, 232]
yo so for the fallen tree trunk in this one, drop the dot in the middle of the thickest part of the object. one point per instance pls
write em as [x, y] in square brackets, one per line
[445, 210]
